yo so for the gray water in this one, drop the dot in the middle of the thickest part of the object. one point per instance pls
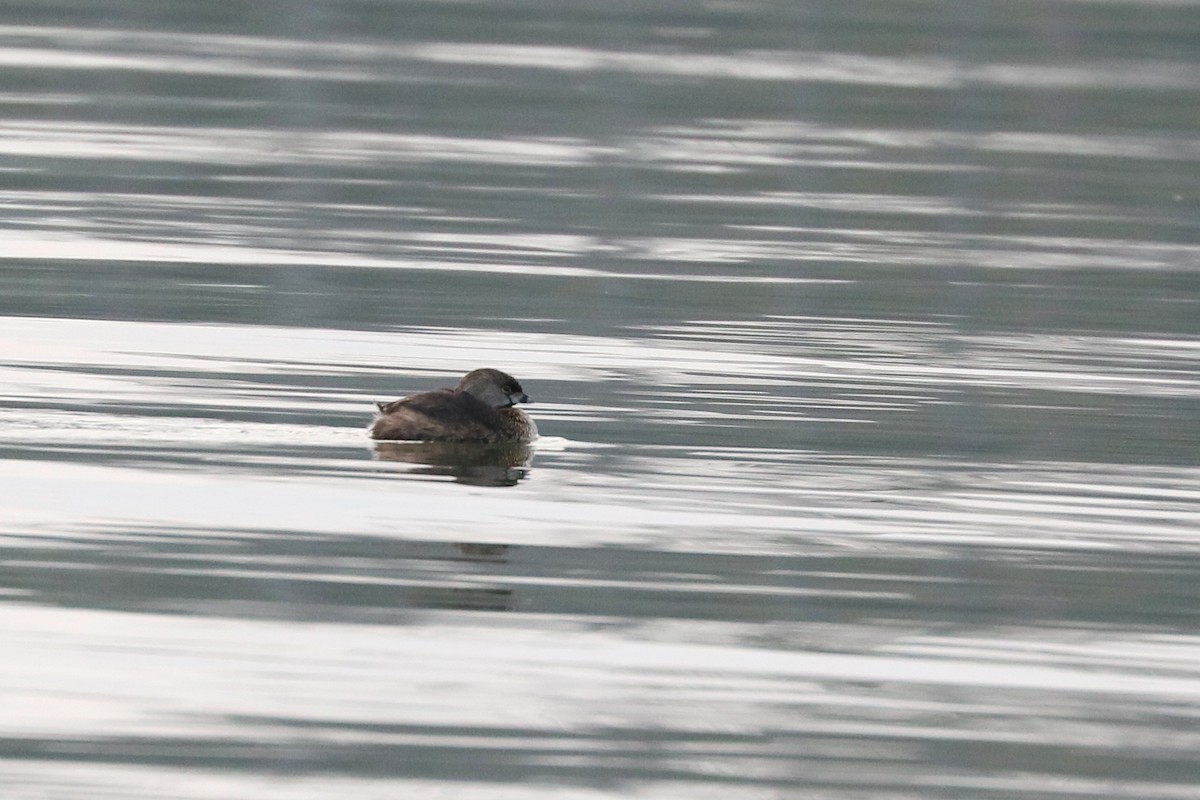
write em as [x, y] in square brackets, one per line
[863, 339]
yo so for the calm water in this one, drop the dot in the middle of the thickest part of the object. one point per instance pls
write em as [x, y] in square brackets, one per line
[864, 342]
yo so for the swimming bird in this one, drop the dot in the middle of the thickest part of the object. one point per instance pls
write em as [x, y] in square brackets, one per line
[481, 408]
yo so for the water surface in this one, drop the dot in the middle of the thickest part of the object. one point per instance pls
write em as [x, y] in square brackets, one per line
[862, 338]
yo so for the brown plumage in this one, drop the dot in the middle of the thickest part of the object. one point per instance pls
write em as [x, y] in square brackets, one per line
[481, 408]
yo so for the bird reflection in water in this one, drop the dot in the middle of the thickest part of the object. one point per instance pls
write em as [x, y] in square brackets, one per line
[471, 463]
[479, 551]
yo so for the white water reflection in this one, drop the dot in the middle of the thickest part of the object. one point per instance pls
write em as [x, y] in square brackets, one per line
[862, 339]
[241, 147]
[782, 713]
[704, 380]
[159, 52]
